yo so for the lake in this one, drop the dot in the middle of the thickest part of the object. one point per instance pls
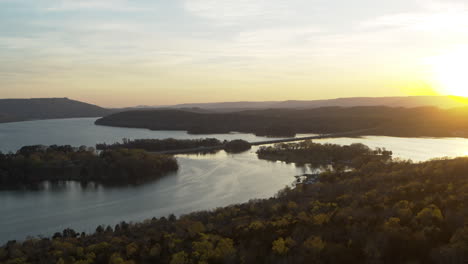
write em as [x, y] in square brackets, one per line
[202, 183]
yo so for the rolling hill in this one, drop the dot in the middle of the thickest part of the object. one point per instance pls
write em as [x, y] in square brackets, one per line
[12, 110]
[408, 102]
[381, 120]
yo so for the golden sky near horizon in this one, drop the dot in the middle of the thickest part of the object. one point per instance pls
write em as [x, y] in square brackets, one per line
[124, 53]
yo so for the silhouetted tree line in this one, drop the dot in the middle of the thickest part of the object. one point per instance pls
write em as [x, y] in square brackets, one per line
[237, 146]
[320, 155]
[161, 144]
[276, 131]
[384, 211]
[170, 144]
[14, 110]
[388, 121]
[35, 164]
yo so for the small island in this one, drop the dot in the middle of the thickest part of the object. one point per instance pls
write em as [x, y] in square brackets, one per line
[317, 155]
[35, 164]
[237, 146]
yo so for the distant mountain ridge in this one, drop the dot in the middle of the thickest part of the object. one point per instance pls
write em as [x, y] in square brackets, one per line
[407, 102]
[374, 120]
[12, 110]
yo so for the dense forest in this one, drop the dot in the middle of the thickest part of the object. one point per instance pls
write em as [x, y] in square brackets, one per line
[237, 146]
[161, 144]
[34, 164]
[12, 110]
[178, 146]
[322, 155]
[382, 211]
[388, 121]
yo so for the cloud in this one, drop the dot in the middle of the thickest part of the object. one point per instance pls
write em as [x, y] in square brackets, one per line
[225, 36]
[278, 35]
[434, 17]
[227, 12]
[442, 22]
[441, 6]
[253, 31]
[69, 5]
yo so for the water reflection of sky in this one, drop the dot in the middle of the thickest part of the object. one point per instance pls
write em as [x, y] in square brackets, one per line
[82, 131]
[203, 181]
[416, 149]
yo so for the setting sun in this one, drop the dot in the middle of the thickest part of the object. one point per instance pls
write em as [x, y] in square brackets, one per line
[449, 71]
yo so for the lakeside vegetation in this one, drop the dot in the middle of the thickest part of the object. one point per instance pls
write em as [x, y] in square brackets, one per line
[35, 164]
[206, 145]
[161, 144]
[379, 120]
[321, 155]
[382, 211]
[237, 146]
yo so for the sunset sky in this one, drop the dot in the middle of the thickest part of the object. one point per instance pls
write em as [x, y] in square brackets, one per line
[156, 52]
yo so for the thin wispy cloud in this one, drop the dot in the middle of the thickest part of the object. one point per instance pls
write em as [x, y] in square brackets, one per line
[174, 43]
[235, 12]
[435, 22]
[70, 5]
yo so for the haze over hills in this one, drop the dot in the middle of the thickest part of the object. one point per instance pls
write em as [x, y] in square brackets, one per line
[408, 101]
[12, 110]
[375, 120]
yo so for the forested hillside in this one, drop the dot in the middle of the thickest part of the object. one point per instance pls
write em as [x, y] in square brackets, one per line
[381, 211]
[410, 122]
[47, 108]
[402, 101]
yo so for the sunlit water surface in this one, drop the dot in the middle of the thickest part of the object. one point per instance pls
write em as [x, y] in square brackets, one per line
[202, 183]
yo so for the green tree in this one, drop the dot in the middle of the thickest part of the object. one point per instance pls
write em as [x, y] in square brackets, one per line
[180, 258]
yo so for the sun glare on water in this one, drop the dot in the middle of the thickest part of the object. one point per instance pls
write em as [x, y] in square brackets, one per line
[450, 72]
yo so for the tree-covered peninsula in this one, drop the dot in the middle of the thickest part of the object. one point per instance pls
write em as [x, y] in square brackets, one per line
[161, 144]
[35, 164]
[180, 146]
[382, 211]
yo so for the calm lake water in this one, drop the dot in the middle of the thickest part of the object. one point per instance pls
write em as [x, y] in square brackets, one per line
[202, 183]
